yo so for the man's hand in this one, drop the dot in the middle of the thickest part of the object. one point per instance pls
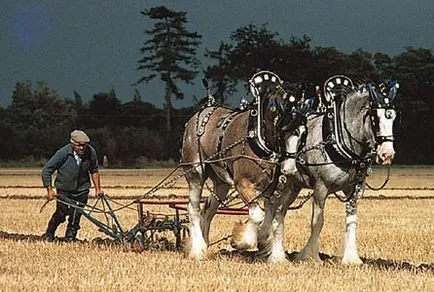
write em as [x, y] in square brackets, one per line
[99, 193]
[96, 183]
[51, 194]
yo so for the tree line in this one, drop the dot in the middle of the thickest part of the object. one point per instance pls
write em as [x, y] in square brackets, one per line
[135, 132]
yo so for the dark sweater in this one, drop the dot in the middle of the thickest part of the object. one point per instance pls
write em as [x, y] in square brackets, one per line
[70, 177]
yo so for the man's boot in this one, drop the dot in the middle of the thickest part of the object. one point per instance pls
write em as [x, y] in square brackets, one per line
[48, 236]
[73, 225]
[71, 233]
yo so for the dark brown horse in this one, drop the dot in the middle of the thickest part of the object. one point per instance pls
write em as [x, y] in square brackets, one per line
[244, 149]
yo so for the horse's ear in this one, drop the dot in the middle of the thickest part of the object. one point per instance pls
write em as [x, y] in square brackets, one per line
[307, 105]
[373, 94]
[393, 90]
[383, 94]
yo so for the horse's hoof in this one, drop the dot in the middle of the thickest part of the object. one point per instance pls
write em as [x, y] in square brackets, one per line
[352, 261]
[202, 255]
[196, 252]
[304, 257]
[240, 246]
[241, 239]
[277, 259]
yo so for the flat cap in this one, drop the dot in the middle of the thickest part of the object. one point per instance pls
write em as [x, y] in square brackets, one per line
[79, 136]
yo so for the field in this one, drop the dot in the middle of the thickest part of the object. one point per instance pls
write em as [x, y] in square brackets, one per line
[395, 241]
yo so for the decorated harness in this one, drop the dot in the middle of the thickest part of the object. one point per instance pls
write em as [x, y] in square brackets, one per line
[292, 110]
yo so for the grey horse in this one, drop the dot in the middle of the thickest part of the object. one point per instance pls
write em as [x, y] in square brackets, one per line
[341, 144]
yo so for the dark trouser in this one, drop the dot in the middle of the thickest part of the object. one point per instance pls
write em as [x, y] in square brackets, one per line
[63, 210]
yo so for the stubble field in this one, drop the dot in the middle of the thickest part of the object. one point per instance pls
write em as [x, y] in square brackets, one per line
[395, 241]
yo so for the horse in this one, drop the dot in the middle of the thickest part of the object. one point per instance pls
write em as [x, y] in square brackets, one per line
[340, 147]
[240, 148]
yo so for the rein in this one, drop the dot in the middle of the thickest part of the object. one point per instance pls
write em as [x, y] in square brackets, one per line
[384, 183]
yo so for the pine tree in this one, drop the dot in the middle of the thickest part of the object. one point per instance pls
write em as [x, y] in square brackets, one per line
[170, 53]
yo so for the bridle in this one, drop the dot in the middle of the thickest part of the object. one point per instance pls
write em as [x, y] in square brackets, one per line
[382, 105]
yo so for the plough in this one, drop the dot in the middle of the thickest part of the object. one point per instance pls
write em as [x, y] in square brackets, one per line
[146, 233]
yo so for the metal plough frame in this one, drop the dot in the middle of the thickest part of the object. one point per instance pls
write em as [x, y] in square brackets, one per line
[145, 234]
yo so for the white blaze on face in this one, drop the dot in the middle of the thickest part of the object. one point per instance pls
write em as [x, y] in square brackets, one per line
[385, 151]
[288, 165]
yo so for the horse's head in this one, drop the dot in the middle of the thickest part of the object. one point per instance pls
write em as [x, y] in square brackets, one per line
[364, 116]
[383, 114]
[292, 126]
[293, 136]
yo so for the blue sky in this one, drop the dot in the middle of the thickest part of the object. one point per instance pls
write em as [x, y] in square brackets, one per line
[93, 46]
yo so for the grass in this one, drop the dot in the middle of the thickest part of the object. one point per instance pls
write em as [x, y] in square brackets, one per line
[395, 237]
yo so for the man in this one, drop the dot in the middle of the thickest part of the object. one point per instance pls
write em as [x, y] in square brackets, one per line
[74, 164]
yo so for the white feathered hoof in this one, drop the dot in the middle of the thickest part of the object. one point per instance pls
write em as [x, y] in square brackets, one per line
[196, 251]
[277, 255]
[352, 260]
[273, 259]
[243, 236]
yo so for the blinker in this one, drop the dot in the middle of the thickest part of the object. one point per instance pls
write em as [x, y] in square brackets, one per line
[389, 114]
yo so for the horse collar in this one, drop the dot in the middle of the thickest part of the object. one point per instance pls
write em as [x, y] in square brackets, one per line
[336, 148]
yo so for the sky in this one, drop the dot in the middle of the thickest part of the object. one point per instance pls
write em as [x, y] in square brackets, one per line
[92, 46]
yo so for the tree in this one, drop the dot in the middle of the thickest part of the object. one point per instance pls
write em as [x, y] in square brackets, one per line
[84, 119]
[9, 146]
[169, 54]
[296, 60]
[41, 119]
[223, 84]
[104, 109]
[138, 113]
[327, 62]
[253, 50]
[384, 65]
[359, 66]
[415, 69]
